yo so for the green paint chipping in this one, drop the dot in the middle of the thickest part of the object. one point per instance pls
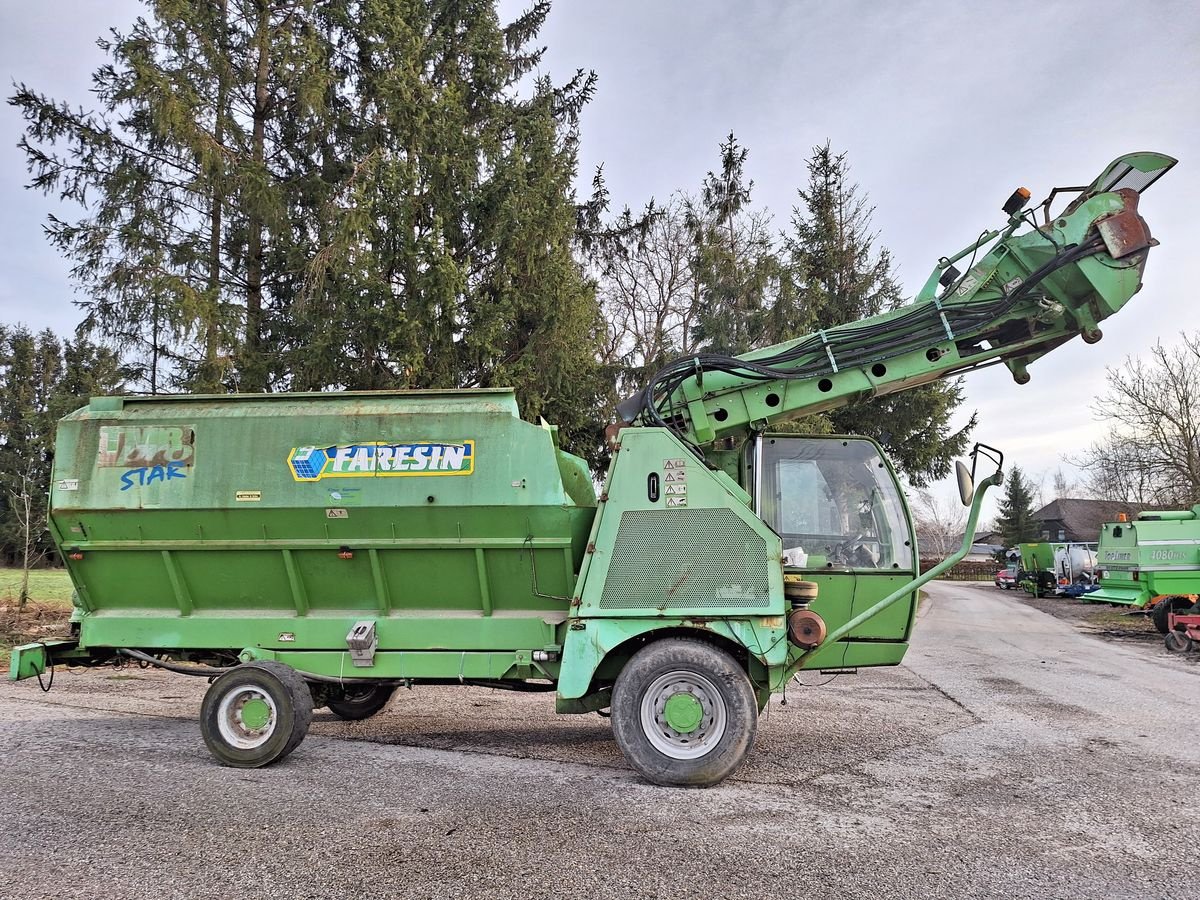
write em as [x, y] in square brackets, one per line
[683, 712]
[256, 714]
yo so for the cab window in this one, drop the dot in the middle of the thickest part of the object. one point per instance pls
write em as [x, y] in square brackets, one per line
[833, 502]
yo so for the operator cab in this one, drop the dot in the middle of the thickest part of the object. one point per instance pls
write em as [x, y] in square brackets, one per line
[835, 503]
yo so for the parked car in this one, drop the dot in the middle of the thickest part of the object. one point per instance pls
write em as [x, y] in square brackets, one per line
[1006, 578]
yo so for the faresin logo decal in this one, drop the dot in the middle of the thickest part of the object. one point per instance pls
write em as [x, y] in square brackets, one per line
[381, 459]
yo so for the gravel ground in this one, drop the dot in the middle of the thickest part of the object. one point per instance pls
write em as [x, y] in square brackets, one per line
[1011, 756]
[1103, 620]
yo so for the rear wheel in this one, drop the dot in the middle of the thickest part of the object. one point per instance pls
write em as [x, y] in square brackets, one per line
[256, 714]
[355, 703]
[684, 713]
[1163, 609]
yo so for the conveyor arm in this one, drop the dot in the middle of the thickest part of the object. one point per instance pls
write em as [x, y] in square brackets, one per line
[1021, 296]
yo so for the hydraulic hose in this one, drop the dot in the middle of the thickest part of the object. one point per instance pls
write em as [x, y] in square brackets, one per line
[852, 344]
[206, 671]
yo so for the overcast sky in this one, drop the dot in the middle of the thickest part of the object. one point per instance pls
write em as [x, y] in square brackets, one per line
[942, 107]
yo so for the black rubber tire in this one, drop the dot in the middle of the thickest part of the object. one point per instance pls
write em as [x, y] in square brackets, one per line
[293, 713]
[355, 704]
[1163, 608]
[1178, 642]
[732, 684]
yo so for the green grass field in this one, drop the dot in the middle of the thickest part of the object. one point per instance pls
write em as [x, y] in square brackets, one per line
[45, 614]
[46, 585]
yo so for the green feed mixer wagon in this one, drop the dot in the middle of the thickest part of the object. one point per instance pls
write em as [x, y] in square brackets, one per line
[1151, 563]
[320, 550]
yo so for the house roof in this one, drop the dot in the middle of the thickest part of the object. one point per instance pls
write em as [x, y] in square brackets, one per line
[1084, 517]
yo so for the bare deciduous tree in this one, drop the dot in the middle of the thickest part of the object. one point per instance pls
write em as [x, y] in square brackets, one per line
[30, 520]
[650, 298]
[941, 523]
[1152, 453]
[1064, 486]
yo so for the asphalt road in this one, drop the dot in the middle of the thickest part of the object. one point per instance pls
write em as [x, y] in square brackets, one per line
[1011, 756]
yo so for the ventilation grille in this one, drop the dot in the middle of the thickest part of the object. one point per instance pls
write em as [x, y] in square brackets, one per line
[671, 559]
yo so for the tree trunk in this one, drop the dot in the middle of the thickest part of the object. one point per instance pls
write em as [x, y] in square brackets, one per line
[154, 349]
[27, 523]
[253, 377]
[210, 374]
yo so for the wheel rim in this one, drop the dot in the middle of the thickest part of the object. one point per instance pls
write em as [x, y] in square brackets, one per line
[246, 717]
[683, 715]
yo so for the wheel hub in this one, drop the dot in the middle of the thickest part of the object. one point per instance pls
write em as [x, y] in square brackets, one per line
[246, 717]
[683, 715]
[683, 712]
[256, 714]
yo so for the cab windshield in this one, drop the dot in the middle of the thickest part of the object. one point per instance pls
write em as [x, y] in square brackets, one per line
[833, 502]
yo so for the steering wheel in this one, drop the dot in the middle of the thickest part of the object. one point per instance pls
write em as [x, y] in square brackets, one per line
[842, 551]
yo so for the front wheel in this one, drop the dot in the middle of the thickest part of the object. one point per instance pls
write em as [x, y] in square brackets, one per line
[684, 713]
[355, 703]
[256, 714]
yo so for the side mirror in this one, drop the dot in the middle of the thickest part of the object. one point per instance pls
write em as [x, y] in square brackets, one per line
[966, 484]
[966, 477]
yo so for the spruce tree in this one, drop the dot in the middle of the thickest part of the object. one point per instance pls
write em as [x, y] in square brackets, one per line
[42, 378]
[445, 254]
[836, 273]
[1016, 522]
[734, 264]
[338, 194]
[180, 172]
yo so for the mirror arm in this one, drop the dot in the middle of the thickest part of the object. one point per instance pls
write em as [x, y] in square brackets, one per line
[996, 456]
[968, 539]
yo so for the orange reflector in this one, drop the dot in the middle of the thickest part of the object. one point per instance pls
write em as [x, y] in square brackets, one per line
[1016, 202]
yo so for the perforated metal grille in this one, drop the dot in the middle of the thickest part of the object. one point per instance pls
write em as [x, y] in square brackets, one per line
[670, 559]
